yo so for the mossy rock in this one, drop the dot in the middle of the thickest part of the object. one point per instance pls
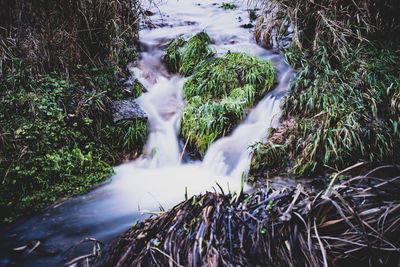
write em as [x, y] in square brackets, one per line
[228, 6]
[218, 94]
[184, 56]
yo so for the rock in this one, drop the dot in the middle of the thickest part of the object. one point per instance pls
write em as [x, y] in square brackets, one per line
[247, 26]
[127, 110]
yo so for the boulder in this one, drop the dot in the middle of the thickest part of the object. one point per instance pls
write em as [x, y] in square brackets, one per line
[127, 110]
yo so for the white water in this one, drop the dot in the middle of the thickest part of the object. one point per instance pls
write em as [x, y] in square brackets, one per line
[158, 177]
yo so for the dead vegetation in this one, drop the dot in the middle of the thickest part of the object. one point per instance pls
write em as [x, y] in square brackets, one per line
[355, 222]
[336, 22]
[58, 35]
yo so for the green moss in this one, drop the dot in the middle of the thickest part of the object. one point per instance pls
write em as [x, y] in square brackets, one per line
[218, 94]
[184, 56]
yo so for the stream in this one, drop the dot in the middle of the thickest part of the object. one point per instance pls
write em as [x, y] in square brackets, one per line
[162, 175]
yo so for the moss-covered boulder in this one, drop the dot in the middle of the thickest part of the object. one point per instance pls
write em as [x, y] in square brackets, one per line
[218, 94]
[185, 55]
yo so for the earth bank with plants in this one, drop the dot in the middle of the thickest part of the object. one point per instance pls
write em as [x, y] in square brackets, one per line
[219, 90]
[59, 74]
[340, 126]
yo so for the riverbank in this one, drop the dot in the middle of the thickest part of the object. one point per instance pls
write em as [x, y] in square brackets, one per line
[336, 125]
[345, 106]
[61, 69]
[354, 222]
[339, 122]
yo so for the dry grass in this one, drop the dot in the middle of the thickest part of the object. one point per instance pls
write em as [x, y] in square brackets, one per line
[337, 22]
[357, 222]
[59, 35]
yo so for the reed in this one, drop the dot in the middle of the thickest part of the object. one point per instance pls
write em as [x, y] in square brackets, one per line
[355, 224]
[53, 35]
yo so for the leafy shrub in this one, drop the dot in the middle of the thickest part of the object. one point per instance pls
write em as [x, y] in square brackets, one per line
[58, 138]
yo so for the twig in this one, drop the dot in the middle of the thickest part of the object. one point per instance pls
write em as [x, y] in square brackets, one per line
[323, 251]
[184, 148]
[78, 259]
[34, 247]
[328, 190]
[166, 255]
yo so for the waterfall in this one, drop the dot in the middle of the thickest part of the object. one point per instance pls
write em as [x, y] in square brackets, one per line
[159, 178]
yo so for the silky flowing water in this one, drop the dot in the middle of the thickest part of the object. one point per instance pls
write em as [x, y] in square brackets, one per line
[162, 176]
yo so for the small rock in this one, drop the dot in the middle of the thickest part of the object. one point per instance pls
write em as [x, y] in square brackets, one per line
[247, 26]
[127, 109]
[149, 13]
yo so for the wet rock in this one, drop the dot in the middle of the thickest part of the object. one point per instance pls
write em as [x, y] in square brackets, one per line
[149, 13]
[247, 26]
[127, 110]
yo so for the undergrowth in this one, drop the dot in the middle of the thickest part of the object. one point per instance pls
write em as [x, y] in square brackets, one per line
[346, 110]
[61, 66]
[346, 101]
[57, 138]
[218, 94]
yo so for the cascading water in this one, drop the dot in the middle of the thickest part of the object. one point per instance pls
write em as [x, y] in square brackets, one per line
[158, 177]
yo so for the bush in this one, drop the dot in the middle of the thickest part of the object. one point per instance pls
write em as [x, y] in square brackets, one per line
[60, 70]
[347, 87]
[57, 138]
[344, 113]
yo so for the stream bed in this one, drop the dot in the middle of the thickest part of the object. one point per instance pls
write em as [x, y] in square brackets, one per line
[162, 175]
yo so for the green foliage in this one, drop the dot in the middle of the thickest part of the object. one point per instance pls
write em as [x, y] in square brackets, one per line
[218, 77]
[126, 55]
[344, 109]
[128, 134]
[218, 94]
[228, 6]
[184, 56]
[57, 137]
[268, 156]
[206, 120]
[346, 102]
